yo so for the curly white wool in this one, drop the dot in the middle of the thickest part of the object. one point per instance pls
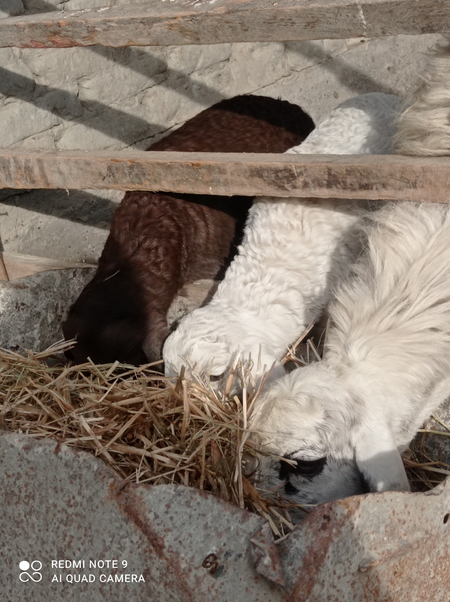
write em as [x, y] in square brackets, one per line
[424, 128]
[293, 253]
[385, 369]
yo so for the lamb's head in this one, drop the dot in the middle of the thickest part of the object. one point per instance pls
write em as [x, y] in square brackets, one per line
[108, 321]
[313, 419]
[209, 343]
[302, 414]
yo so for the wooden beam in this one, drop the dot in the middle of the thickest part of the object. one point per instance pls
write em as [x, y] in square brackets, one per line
[319, 176]
[201, 22]
[4, 276]
[18, 266]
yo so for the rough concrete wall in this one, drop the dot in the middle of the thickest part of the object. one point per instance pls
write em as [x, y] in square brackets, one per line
[106, 98]
[32, 309]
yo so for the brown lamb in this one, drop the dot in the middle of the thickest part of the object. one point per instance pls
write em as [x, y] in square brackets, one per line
[160, 242]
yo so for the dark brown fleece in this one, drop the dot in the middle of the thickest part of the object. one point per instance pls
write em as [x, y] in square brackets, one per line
[160, 242]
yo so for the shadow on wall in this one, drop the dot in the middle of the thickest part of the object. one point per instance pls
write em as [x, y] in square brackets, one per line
[76, 206]
[104, 118]
[351, 77]
[96, 115]
[67, 106]
[122, 126]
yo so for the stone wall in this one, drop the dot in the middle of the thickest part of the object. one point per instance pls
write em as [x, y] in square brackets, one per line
[106, 98]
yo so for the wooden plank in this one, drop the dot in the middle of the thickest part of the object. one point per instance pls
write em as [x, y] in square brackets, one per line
[19, 266]
[208, 22]
[320, 176]
[3, 271]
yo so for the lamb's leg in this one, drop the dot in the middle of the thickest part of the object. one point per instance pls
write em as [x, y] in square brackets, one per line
[157, 332]
[379, 460]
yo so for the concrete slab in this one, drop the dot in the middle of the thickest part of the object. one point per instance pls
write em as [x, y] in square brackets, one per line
[32, 309]
[62, 505]
[71, 531]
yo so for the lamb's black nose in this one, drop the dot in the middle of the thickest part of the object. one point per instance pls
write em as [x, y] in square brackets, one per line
[304, 468]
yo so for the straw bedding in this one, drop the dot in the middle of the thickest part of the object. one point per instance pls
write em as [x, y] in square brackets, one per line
[147, 428]
[150, 429]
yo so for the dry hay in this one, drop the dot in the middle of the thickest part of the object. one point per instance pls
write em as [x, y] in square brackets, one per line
[150, 429]
[147, 428]
[427, 461]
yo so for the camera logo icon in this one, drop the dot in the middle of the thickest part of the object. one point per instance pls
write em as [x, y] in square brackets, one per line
[30, 571]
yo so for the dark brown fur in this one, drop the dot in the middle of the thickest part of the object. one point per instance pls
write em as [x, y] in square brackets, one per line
[160, 242]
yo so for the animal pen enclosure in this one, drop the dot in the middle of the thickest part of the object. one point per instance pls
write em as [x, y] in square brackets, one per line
[190, 546]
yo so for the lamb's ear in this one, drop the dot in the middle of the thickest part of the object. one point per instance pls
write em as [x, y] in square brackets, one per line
[379, 460]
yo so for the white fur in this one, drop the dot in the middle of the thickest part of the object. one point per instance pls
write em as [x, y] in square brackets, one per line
[424, 128]
[386, 365]
[293, 253]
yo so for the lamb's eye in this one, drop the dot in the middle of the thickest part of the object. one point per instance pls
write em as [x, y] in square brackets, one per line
[214, 378]
[304, 468]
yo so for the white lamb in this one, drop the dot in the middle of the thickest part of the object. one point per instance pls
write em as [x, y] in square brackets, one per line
[386, 366]
[294, 251]
[424, 128]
